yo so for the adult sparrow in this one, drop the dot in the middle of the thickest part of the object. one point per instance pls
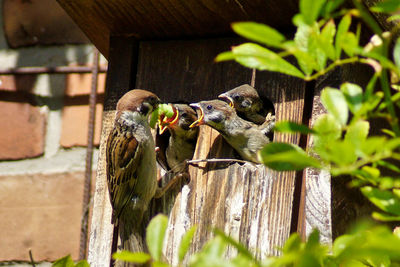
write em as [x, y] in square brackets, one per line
[244, 136]
[180, 140]
[248, 103]
[131, 158]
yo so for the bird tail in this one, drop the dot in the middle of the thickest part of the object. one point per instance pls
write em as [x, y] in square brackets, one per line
[131, 234]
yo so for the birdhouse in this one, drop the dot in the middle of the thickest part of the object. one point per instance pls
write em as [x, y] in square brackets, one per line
[169, 47]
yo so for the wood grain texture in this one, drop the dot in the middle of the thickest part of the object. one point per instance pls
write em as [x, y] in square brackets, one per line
[249, 202]
[316, 193]
[157, 19]
[119, 81]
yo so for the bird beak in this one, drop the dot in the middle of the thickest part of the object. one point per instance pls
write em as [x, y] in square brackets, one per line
[164, 121]
[200, 120]
[226, 97]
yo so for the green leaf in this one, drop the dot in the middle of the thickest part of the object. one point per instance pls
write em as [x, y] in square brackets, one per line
[136, 257]
[159, 264]
[385, 200]
[313, 240]
[286, 157]
[255, 56]
[384, 217]
[329, 7]
[259, 33]
[225, 56]
[306, 61]
[373, 144]
[326, 39]
[341, 244]
[293, 244]
[305, 49]
[155, 233]
[292, 127]
[185, 243]
[64, 262]
[396, 52]
[82, 263]
[335, 102]
[327, 128]
[341, 33]
[241, 249]
[353, 95]
[387, 6]
[388, 165]
[350, 44]
[342, 153]
[394, 18]
[310, 10]
[212, 254]
[357, 134]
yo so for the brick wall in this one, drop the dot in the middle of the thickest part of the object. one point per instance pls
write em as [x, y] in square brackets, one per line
[43, 122]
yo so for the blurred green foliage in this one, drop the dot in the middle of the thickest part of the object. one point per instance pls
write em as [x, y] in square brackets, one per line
[325, 39]
[327, 36]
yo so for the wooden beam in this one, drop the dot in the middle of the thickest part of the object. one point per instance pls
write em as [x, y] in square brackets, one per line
[160, 19]
[120, 78]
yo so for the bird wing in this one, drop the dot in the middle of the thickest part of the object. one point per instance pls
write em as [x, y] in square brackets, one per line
[124, 155]
[162, 144]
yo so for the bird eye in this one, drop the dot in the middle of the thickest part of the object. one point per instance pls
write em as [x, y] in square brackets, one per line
[236, 97]
[185, 115]
[209, 107]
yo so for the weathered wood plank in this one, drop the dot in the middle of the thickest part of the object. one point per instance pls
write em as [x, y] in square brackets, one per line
[121, 69]
[156, 19]
[315, 208]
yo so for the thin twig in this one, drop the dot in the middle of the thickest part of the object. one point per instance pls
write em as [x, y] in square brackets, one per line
[31, 257]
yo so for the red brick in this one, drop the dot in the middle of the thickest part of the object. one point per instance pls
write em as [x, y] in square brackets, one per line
[42, 213]
[22, 130]
[24, 83]
[75, 125]
[81, 83]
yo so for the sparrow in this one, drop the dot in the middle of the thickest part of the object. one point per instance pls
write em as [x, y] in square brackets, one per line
[244, 136]
[248, 104]
[130, 155]
[179, 141]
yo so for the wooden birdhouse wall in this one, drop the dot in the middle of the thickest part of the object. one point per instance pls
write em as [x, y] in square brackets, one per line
[248, 201]
[253, 204]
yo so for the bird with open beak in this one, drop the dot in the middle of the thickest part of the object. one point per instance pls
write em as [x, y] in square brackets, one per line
[177, 144]
[248, 104]
[131, 160]
[244, 136]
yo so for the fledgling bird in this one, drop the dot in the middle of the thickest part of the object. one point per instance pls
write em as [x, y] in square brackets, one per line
[180, 143]
[131, 158]
[244, 136]
[248, 103]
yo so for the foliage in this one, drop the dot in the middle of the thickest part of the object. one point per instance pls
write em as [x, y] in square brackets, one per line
[367, 245]
[68, 262]
[342, 142]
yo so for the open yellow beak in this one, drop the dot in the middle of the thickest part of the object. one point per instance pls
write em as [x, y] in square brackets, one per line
[230, 100]
[200, 120]
[164, 121]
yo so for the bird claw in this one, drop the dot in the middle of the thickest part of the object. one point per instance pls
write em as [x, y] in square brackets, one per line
[270, 117]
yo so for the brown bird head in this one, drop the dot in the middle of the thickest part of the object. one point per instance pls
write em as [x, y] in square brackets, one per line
[213, 113]
[243, 98]
[183, 117]
[138, 100]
